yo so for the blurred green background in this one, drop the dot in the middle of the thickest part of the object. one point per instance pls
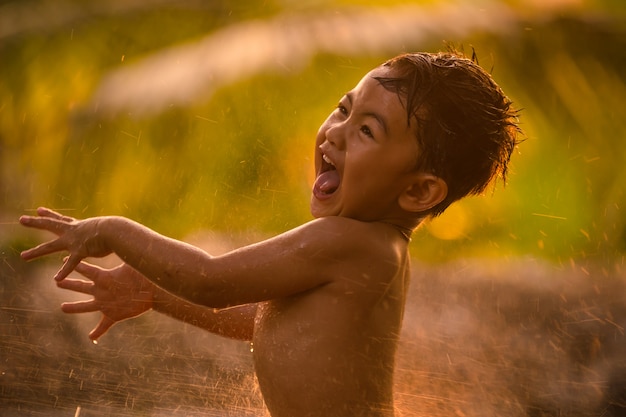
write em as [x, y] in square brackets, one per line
[234, 155]
[198, 119]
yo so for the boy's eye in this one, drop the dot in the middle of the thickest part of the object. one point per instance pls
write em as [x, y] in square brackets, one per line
[367, 131]
[342, 109]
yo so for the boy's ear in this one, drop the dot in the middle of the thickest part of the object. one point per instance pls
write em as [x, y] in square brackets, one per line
[426, 191]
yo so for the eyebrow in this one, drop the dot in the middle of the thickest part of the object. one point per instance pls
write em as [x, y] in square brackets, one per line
[378, 117]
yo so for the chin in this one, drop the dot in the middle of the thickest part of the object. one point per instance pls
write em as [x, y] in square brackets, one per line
[318, 211]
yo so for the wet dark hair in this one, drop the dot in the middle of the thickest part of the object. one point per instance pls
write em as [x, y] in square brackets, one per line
[466, 126]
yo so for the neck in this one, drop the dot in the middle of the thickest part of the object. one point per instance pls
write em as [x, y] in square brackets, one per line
[403, 230]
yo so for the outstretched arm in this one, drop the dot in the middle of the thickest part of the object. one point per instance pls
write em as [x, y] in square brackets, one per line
[122, 293]
[255, 273]
[322, 252]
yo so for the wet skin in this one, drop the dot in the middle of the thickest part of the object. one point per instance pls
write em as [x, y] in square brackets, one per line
[322, 303]
[367, 141]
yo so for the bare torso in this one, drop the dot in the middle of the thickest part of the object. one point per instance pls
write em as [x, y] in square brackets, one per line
[330, 351]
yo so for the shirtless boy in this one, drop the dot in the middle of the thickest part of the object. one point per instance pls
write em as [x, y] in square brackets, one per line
[322, 303]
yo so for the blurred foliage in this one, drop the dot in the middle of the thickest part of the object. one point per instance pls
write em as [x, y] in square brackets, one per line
[241, 161]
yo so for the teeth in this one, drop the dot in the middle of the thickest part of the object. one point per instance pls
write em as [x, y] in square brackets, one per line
[327, 160]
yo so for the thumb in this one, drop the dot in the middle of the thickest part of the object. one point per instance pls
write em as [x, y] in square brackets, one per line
[68, 266]
[102, 327]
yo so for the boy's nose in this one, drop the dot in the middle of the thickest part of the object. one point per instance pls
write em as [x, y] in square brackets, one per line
[335, 134]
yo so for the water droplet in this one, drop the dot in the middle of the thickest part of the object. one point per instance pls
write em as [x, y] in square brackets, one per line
[251, 347]
[95, 342]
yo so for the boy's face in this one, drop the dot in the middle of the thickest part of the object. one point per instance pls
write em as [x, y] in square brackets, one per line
[365, 153]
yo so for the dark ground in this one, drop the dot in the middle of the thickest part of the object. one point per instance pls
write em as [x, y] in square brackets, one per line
[481, 338]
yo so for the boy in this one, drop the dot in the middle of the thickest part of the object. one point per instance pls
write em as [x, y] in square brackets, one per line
[322, 303]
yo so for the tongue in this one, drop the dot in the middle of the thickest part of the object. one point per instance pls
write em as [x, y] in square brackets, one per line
[327, 182]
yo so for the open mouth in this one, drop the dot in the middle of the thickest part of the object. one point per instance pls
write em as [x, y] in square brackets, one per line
[327, 180]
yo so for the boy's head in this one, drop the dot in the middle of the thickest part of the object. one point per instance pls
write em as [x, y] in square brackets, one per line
[466, 126]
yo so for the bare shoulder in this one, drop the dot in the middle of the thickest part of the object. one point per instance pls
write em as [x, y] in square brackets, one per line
[342, 233]
[356, 246]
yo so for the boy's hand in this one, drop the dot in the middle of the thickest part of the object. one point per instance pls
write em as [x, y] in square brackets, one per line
[119, 293]
[79, 237]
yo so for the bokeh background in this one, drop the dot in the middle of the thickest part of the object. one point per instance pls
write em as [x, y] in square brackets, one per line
[198, 118]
